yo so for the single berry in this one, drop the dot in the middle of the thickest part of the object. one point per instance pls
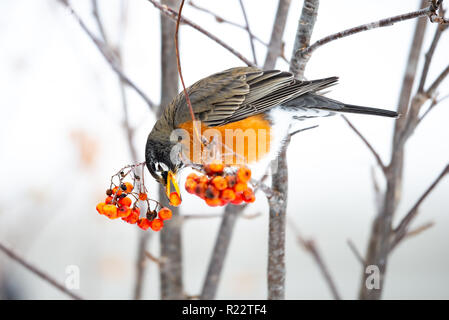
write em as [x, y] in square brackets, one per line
[117, 191]
[175, 199]
[243, 174]
[100, 207]
[144, 223]
[203, 179]
[109, 192]
[110, 211]
[123, 211]
[200, 189]
[215, 167]
[248, 195]
[165, 214]
[127, 187]
[192, 176]
[240, 187]
[125, 202]
[156, 224]
[231, 181]
[212, 192]
[213, 202]
[219, 182]
[133, 217]
[227, 195]
[108, 200]
[190, 185]
[238, 199]
[143, 196]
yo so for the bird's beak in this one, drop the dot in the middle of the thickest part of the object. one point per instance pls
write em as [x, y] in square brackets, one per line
[171, 179]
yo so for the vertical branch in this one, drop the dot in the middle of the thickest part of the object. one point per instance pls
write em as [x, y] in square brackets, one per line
[251, 37]
[278, 204]
[170, 237]
[379, 242]
[232, 212]
[143, 236]
[303, 34]
[274, 47]
[276, 228]
[219, 252]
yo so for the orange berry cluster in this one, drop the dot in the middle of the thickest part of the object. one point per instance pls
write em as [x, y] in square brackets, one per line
[218, 188]
[119, 204]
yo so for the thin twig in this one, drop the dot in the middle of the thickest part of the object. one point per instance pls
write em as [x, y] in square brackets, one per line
[367, 144]
[38, 272]
[428, 57]
[433, 87]
[109, 56]
[251, 37]
[310, 247]
[154, 259]
[173, 15]
[220, 19]
[401, 230]
[418, 230]
[275, 46]
[355, 251]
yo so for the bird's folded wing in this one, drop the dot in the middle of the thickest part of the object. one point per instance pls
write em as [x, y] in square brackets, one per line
[238, 93]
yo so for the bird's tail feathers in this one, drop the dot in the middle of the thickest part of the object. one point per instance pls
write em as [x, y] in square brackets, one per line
[319, 102]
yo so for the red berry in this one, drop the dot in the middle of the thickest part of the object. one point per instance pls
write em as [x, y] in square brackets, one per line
[123, 211]
[156, 224]
[125, 201]
[175, 200]
[244, 174]
[144, 223]
[133, 217]
[165, 214]
[219, 182]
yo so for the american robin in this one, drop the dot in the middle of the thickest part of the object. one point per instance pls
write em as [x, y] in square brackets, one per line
[244, 99]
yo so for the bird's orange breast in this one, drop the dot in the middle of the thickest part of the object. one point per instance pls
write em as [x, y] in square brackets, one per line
[243, 141]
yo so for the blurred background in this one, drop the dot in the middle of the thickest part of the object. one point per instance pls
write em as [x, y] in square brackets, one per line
[62, 138]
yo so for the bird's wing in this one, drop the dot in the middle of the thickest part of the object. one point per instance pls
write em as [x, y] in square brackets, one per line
[238, 93]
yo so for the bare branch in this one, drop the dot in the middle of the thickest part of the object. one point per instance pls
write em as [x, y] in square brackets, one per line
[419, 230]
[38, 272]
[276, 227]
[171, 272]
[154, 259]
[168, 12]
[379, 241]
[367, 144]
[109, 55]
[302, 40]
[401, 230]
[429, 55]
[433, 87]
[310, 247]
[251, 37]
[369, 26]
[219, 252]
[355, 251]
[275, 45]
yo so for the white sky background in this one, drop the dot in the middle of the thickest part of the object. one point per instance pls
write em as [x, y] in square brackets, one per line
[53, 82]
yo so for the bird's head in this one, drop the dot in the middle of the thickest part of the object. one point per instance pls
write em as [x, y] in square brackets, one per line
[161, 166]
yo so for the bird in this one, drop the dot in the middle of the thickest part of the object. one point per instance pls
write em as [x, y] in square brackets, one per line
[262, 106]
